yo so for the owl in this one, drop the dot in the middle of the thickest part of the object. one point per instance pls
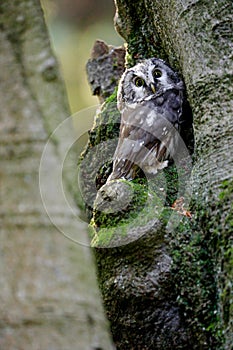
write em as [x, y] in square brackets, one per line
[150, 99]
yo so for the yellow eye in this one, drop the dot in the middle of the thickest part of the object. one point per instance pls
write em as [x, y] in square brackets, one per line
[139, 82]
[157, 73]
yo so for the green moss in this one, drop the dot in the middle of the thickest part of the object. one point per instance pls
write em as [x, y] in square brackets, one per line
[203, 273]
[138, 30]
[138, 48]
[144, 207]
[93, 169]
[106, 122]
[194, 280]
[227, 190]
[112, 98]
[222, 226]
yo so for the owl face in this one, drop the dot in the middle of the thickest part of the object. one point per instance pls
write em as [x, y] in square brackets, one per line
[144, 81]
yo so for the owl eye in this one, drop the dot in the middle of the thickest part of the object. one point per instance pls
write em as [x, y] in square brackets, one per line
[157, 73]
[139, 82]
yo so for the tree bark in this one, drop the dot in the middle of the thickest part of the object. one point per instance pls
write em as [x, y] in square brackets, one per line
[173, 290]
[49, 296]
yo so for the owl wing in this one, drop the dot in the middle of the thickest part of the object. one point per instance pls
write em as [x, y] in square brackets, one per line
[137, 147]
[143, 142]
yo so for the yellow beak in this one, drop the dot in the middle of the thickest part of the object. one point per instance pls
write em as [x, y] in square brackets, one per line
[153, 88]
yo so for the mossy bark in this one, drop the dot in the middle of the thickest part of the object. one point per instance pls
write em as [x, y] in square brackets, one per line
[173, 289]
[49, 296]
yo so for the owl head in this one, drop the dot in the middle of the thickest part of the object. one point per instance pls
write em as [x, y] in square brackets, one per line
[147, 79]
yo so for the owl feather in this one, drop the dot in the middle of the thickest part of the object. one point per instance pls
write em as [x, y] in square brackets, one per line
[150, 99]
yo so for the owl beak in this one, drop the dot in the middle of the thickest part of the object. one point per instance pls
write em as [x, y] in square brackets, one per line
[153, 88]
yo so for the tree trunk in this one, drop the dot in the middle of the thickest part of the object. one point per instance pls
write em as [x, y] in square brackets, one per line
[171, 289]
[49, 295]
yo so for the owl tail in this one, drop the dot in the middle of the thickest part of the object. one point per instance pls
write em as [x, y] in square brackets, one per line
[123, 169]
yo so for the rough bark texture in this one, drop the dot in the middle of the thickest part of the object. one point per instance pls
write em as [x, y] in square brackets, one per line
[109, 59]
[174, 290]
[49, 296]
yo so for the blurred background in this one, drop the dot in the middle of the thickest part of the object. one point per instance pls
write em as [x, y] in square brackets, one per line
[74, 25]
